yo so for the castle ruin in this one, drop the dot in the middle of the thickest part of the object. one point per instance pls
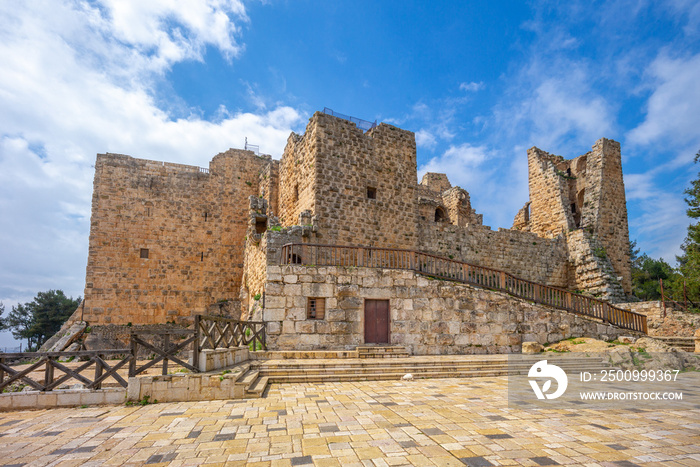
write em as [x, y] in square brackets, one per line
[168, 241]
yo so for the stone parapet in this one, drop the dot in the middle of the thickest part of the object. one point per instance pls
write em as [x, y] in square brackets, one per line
[216, 359]
[35, 400]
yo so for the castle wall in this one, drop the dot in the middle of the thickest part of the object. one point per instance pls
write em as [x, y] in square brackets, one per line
[192, 223]
[426, 316]
[297, 175]
[522, 254]
[549, 195]
[587, 193]
[606, 210]
[269, 183]
[363, 183]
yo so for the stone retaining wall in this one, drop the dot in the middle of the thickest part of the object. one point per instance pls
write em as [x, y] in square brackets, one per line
[427, 316]
[523, 254]
[676, 322]
[61, 398]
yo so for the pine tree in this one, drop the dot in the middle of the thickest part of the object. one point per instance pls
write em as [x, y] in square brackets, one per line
[689, 261]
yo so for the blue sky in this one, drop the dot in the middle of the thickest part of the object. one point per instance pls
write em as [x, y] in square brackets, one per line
[478, 82]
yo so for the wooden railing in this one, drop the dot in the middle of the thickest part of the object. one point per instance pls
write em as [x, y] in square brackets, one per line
[165, 345]
[49, 362]
[213, 332]
[445, 268]
[167, 350]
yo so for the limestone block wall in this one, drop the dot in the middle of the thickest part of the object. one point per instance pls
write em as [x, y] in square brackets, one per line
[190, 224]
[259, 256]
[269, 186]
[522, 254]
[586, 192]
[426, 316]
[459, 207]
[297, 175]
[606, 211]
[436, 182]
[363, 183]
[591, 270]
[549, 194]
[673, 323]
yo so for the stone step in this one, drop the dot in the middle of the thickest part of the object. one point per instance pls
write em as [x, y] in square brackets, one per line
[683, 343]
[404, 363]
[237, 371]
[364, 370]
[399, 372]
[302, 354]
[382, 376]
[257, 388]
[382, 351]
[248, 378]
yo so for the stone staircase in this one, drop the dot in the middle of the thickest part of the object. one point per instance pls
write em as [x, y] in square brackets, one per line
[259, 374]
[686, 344]
[396, 351]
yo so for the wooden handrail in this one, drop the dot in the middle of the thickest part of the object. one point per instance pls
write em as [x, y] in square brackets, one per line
[445, 268]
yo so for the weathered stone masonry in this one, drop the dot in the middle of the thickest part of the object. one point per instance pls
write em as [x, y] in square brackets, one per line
[427, 316]
[192, 224]
[216, 234]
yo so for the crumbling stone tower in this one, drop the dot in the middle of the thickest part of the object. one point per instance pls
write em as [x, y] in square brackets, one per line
[583, 199]
[356, 188]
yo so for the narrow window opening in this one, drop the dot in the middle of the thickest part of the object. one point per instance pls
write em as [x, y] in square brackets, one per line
[573, 208]
[144, 253]
[440, 215]
[295, 194]
[315, 308]
[206, 215]
[201, 257]
[371, 193]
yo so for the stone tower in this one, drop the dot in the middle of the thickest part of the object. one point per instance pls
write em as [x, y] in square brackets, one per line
[582, 199]
[358, 188]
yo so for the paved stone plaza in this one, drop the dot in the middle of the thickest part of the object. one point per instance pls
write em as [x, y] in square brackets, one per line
[424, 422]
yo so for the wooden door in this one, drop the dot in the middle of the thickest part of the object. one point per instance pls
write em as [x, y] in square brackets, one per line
[376, 321]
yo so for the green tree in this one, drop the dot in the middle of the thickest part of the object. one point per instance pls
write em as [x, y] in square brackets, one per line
[19, 321]
[41, 318]
[646, 272]
[689, 260]
[3, 321]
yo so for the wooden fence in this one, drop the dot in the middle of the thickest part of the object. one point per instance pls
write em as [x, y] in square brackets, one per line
[49, 362]
[167, 351]
[166, 345]
[213, 332]
[445, 268]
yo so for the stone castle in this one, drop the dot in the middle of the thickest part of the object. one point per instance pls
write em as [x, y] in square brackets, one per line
[168, 241]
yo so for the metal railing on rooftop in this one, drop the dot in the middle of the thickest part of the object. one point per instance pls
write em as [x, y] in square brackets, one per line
[363, 125]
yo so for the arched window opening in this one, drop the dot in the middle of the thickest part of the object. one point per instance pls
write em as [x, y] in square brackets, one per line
[440, 215]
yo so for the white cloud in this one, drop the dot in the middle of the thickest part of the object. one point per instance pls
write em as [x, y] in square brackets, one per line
[661, 223]
[78, 79]
[672, 115]
[425, 139]
[471, 87]
[459, 163]
[557, 111]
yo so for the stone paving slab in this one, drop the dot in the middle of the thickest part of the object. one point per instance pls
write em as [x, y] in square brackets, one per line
[439, 422]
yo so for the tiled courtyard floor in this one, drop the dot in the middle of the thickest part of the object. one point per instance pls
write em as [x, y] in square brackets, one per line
[424, 422]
